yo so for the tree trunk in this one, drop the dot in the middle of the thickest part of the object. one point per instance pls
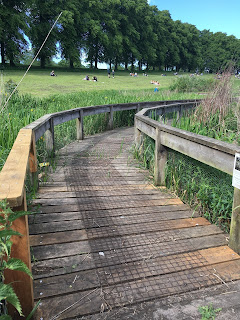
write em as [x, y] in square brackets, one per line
[2, 53]
[126, 66]
[110, 64]
[132, 61]
[116, 64]
[42, 62]
[12, 64]
[71, 64]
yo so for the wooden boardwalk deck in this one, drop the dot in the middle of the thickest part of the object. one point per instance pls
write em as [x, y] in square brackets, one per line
[104, 237]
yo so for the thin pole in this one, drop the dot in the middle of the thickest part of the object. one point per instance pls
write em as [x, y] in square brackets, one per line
[31, 63]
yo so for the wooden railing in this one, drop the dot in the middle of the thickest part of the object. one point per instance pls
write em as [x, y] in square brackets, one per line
[22, 161]
[214, 153]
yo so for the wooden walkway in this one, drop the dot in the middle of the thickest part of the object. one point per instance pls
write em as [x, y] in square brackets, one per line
[104, 237]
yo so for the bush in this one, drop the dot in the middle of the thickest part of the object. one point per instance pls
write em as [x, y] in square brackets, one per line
[192, 84]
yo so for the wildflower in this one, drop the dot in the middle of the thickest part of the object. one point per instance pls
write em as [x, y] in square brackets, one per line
[105, 97]
[32, 110]
[9, 114]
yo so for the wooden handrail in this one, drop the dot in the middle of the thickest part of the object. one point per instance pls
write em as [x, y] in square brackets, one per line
[212, 152]
[22, 159]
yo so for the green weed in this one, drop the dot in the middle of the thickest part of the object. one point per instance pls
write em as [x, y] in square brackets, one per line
[208, 312]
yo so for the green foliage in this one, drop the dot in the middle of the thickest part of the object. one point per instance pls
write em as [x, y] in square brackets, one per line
[201, 186]
[191, 84]
[25, 109]
[208, 312]
[7, 293]
[10, 85]
[202, 191]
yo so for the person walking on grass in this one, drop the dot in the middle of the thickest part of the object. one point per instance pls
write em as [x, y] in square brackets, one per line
[113, 72]
[108, 71]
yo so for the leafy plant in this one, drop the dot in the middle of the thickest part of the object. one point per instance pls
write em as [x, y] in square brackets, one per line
[7, 294]
[191, 84]
[208, 312]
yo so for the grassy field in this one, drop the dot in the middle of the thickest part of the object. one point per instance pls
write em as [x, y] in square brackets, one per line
[40, 94]
[39, 83]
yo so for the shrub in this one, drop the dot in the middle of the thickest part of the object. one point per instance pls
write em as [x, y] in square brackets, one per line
[192, 84]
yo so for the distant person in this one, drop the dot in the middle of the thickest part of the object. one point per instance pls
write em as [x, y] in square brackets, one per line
[113, 73]
[52, 74]
[94, 78]
[109, 73]
[86, 78]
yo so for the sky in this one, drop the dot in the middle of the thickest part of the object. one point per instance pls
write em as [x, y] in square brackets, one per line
[213, 15]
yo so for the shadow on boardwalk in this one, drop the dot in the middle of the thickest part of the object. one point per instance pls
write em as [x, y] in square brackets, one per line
[106, 241]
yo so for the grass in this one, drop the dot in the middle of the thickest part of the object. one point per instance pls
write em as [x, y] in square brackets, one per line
[70, 91]
[39, 83]
[24, 109]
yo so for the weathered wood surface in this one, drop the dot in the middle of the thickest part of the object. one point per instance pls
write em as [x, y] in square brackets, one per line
[104, 237]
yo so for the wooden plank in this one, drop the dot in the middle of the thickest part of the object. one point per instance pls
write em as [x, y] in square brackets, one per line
[122, 241]
[106, 276]
[145, 247]
[110, 205]
[82, 200]
[98, 222]
[21, 282]
[126, 254]
[113, 229]
[47, 194]
[208, 155]
[146, 128]
[146, 214]
[13, 174]
[139, 291]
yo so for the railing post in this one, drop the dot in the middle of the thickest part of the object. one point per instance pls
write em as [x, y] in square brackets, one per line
[33, 163]
[160, 160]
[80, 134]
[110, 121]
[49, 138]
[234, 241]
[21, 282]
[179, 112]
[138, 108]
[138, 135]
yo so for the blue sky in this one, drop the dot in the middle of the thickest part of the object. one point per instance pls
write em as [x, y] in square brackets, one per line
[213, 15]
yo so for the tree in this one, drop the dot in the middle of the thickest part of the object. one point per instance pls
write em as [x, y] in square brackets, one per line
[42, 16]
[13, 25]
[72, 26]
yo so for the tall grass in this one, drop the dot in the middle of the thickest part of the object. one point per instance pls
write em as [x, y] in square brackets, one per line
[204, 188]
[24, 109]
[192, 84]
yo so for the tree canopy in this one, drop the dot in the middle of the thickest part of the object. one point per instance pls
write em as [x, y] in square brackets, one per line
[116, 32]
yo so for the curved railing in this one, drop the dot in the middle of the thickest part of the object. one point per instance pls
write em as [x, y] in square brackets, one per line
[22, 160]
[212, 152]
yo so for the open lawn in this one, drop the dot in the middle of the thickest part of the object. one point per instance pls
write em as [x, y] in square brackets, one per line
[39, 83]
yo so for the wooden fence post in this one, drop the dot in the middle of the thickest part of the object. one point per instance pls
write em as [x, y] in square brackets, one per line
[33, 163]
[110, 121]
[21, 282]
[49, 138]
[234, 241]
[138, 108]
[138, 136]
[179, 113]
[80, 133]
[160, 160]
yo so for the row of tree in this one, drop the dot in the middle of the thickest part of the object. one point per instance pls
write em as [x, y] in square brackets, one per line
[111, 31]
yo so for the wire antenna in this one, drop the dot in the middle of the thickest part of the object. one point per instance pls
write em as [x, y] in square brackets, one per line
[31, 63]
